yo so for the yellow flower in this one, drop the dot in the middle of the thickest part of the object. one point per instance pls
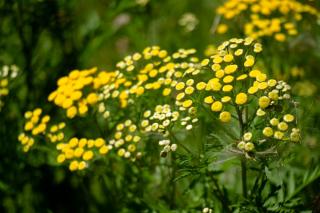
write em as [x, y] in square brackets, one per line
[278, 135]
[217, 60]
[274, 121]
[261, 77]
[180, 96]
[272, 83]
[166, 91]
[71, 112]
[219, 73]
[254, 73]
[229, 69]
[67, 103]
[288, 118]
[225, 99]
[99, 142]
[208, 100]
[201, 86]
[253, 90]
[267, 131]
[28, 126]
[187, 103]
[189, 90]
[222, 28]
[241, 98]
[216, 106]
[249, 146]
[74, 165]
[273, 96]
[264, 102]
[82, 165]
[225, 116]
[104, 150]
[216, 67]
[227, 88]
[262, 85]
[214, 84]
[228, 79]
[88, 155]
[92, 98]
[238, 52]
[28, 115]
[283, 126]
[260, 112]
[280, 37]
[228, 58]
[78, 152]
[61, 158]
[242, 77]
[180, 86]
[241, 145]
[249, 61]
[247, 136]
[205, 62]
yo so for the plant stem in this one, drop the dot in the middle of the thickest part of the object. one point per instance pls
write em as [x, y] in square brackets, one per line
[243, 159]
[244, 177]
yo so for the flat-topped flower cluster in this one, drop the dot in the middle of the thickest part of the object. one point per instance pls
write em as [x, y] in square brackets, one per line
[278, 19]
[153, 94]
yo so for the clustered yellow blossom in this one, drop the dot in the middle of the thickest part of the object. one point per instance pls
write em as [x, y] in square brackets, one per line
[246, 143]
[126, 140]
[235, 85]
[7, 73]
[78, 90]
[231, 70]
[172, 92]
[37, 126]
[265, 18]
[150, 73]
[78, 152]
[55, 133]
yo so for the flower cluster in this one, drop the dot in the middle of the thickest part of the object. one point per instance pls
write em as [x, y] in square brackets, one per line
[267, 18]
[77, 91]
[167, 147]
[150, 73]
[56, 133]
[231, 86]
[78, 152]
[7, 73]
[165, 94]
[231, 71]
[246, 143]
[35, 125]
[160, 121]
[126, 140]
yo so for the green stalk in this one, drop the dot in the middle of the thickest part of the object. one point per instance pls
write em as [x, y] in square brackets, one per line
[244, 177]
[243, 159]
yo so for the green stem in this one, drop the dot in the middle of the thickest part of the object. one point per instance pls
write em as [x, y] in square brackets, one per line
[243, 159]
[244, 177]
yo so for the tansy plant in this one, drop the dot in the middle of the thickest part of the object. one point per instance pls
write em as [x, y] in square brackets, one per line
[277, 19]
[156, 96]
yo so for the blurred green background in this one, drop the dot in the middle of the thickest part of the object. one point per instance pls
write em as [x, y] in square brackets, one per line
[48, 38]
